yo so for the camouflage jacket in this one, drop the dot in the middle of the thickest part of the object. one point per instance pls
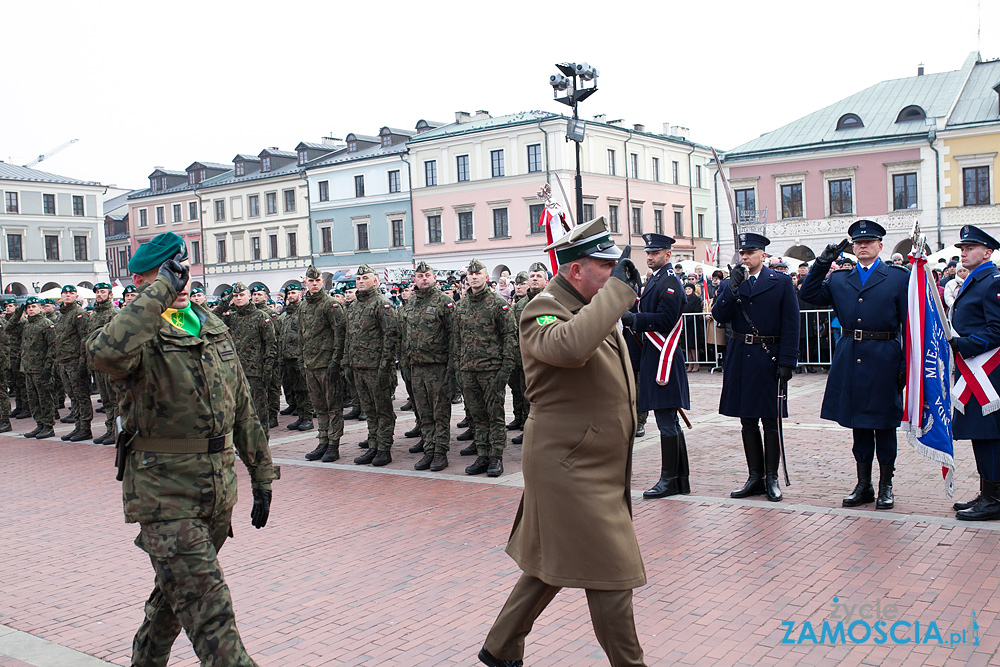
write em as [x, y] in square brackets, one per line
[38, 345]
[253, 333]
[426, 326]
[321, 324]
[72, 329]
[288, 331]
[15, 329]
[372, 333]
[484, 328]
[177, 386]
[103, 312]
[518, 309]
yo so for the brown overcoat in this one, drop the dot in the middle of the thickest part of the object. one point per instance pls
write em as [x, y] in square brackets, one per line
[574, 525]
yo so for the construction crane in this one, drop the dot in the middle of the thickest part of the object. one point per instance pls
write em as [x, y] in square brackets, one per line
[52, 152]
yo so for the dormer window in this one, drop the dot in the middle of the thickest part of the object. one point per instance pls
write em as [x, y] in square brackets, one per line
[387, 140]
[241, 168]
[201, 175]
[154, 184]
[352, 146]
[303, 156]
[190, 178]
[849, 121]
[912, 112]
[265, 164]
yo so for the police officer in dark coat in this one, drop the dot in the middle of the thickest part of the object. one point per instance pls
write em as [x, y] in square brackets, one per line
[976, 320]
[863, 390]
[659, 310]
[762, 308]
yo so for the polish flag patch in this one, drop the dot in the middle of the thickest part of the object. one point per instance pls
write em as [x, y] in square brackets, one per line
[670, 290]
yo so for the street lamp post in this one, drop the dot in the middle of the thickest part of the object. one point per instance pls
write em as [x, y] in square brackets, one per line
[573, 79]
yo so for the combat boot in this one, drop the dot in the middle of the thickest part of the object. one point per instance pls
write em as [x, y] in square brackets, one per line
[517, 439]
[5, 426]
[287, 411]
[366, 458]
[885, 500]
[68, 419]
[772, 457]
[332, 453]
[668, 484]
[72, 433]
[496, 467]
[413, 432]
[33, 432]
[362, 417]
[383, 457]
[440, 462]
[407, 406]
[306, 425]
[863, 493]
[753, 448]
[464, 423]
[83, 434]
[106, 439]
[988, 508]
[272, 422]
[46, 432]
[21, 413]
[318, 452]
[683, 469]
[470, 450]
[462, 437]
[971, 503]
[363, 444]
[294, 426]
[417, 448]
[424, 463]
[516, 425]
[353, 414]
[479, 466]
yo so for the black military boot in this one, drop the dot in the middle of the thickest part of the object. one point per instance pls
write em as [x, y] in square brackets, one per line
[5, 426]
[469, 450]
[332, 453]
[70, 435]
[424, 463]
[33, 432]
[287, 411]
[440, 461]
[468, 435]
[517, 439]
[753, 449]
[668, 485]
[84, 433]
[306, 425]
[413, 432]
[294, 426]
[46, 432]
[407, 406]
[488, 659]
[363, 444]
[863, 493]
[496, 467]
[971, 503]
[317, 453]
[640, 431]
[988, 508]
[772, 456]
[516, 425]
[106, 439]
[362, 417]
[354, 413]
[366, 458]
[683, 469]
[383, 457]
[272, 422]
[100, 410]
[885, 500]
[417, 448]
[479, 466]
[68, 419]
[21, 413]
[464, 423]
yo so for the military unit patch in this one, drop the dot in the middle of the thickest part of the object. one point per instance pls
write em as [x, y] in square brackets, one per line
[545, 319]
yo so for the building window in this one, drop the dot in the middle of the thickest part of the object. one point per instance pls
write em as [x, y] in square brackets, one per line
[841, 201]
[52, 248]
[11, 201]
[434, 229]
[359, 186]
[326, 239]
[791, 200]
[701, 225]
[430, 173]
[534, 158]
[78, 206]
[80, 248]
[398, 239]
[253, 206]
[14, 247]
[122, 268]
[977, 186]
[49, 204]
[462, 164]
[176, 210]
[271, 202]
[612, 171]
[496, 163]
[190, 178]
[634, 160]
[272, 246]
[192, 210]
[535, 218]
[588, 212]
[195, 252]
[160, 216]
[678, 223]
[746, 201]
[293, 250]
[220, 210]
[241, 168]
[221, 249]
[613, 219]
[465, 226]
[904, 191]
[255, 248]
[697, 175]
[362, 236]
[658, 221]
[394, 180]
[637, 220]
[352, 146]
[201, 175]
[849, 121]
[500, 223]
[675, 170]
[265, 164]
[289, 201]
[324, 190]
[656, 169]
[303, 156]
[143, 218]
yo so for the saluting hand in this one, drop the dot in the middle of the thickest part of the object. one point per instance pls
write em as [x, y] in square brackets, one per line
[737, 274]
[832, 252]
[175, 272]
[625, 270]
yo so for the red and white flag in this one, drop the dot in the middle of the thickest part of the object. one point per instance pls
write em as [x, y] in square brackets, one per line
[667, 345]
[552, 213]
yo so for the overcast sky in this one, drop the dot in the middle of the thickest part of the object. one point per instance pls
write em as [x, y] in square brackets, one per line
[168, 83]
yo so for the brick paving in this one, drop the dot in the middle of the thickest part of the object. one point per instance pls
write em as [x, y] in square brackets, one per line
[396, 567]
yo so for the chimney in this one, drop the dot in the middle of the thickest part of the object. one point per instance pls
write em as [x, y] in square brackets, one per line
[920, 69]
[616, 122]
[639, 127]
[600, 118]
[331, 141]
[482, 114]
[462, 116]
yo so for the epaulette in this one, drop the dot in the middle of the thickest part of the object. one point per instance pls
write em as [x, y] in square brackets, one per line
[901, 268]
[843, 268]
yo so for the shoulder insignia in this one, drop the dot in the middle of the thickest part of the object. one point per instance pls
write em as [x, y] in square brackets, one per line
[52, 326]
[336, 305]
[545, 319]
[451, 305]
[79, 316]
[546, 294]
[505, 307]
[388, 305]
[670, 290]
[266, 320]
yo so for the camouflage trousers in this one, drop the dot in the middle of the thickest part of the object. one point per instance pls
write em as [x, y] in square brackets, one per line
[5, 403]
[109, 399]
[351, 389]
[326, 396]
[376, 401]
[19, 385]
[258, 396]
[484, 402]
[40, 401]
[517, 385]
[190, 593]
[293, 379]
[274, 392]
[75, 377]
[643, 415]
[432, 399]
[406, 371]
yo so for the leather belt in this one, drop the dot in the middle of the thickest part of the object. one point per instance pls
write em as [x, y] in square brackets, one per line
[182, 445]
[861, 334]
[750, 339]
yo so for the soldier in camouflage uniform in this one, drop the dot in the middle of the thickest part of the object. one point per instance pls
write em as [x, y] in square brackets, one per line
[104, 310]
[372, 338]
[255, 342]
[426, 322]
[15, 329]
[187, 407]
[198, 296]
[4, 374]
[538, 278]
[56, 388]
[293, 372]
[72, 329]
[321, 325]
[483, 348]
[129, 294]
[37, 359]
[406, 299]
[516, 379]
[350, 389]
[258, 294]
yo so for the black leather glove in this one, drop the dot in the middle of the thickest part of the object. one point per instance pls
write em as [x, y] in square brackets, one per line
[784, 374]
[628, 318]
[175, 273]
[832, 252]
[953, 342]
[261, 507]
[625, 270]
[737, 274]
[900, 381]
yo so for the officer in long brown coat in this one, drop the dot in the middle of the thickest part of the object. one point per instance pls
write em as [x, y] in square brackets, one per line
[574, 526]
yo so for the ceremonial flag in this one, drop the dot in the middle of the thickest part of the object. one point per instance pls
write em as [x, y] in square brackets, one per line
[552, 213]
[666, 345]
[704, 288]
[927, 408]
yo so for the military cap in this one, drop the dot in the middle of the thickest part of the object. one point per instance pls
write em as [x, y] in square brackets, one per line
[226, 292]
[161, 248]
[864, 230]
[656, 242]
[270, 302]
[90, 308]
[350, 284]
[130, 290]
[313, 272]
[48, 302]
[751, 241]
[972, 235]
[102, 286]
[538, 266]
[7, 302]
[291, 286]
[405, 284]
[475, 266]
[197, 290]
[365, 268]
[521, 277]
[422, 267]
[238, 287]
[337, 290]
[68, 288]
[591, 239]
[32, 299]
[258, 287]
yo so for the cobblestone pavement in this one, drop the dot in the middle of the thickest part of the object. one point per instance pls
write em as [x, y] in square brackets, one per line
[364, 566]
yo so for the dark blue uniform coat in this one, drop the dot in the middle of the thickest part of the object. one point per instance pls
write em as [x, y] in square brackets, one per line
[976, 318]
[861, 390]
[749, 384]
[660, 306]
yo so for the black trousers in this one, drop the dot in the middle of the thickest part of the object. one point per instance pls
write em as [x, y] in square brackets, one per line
[871, 442]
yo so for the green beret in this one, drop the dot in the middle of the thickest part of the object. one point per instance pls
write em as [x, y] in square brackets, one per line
[423, 267]
[270, 302]
[102, 286]
[226, 292]
[337, 290]
[161, 248]
[538, 266]
[349, 285]
[238, 287]
[130, 290]
[68, 288]
[291, 286]
[313, 272]
[7, 302]
[364, 268]
[258, 287]
[32, 299]
[89, 308]
[521, 277]
[197, 290]
[475, 266]
[48, 302]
